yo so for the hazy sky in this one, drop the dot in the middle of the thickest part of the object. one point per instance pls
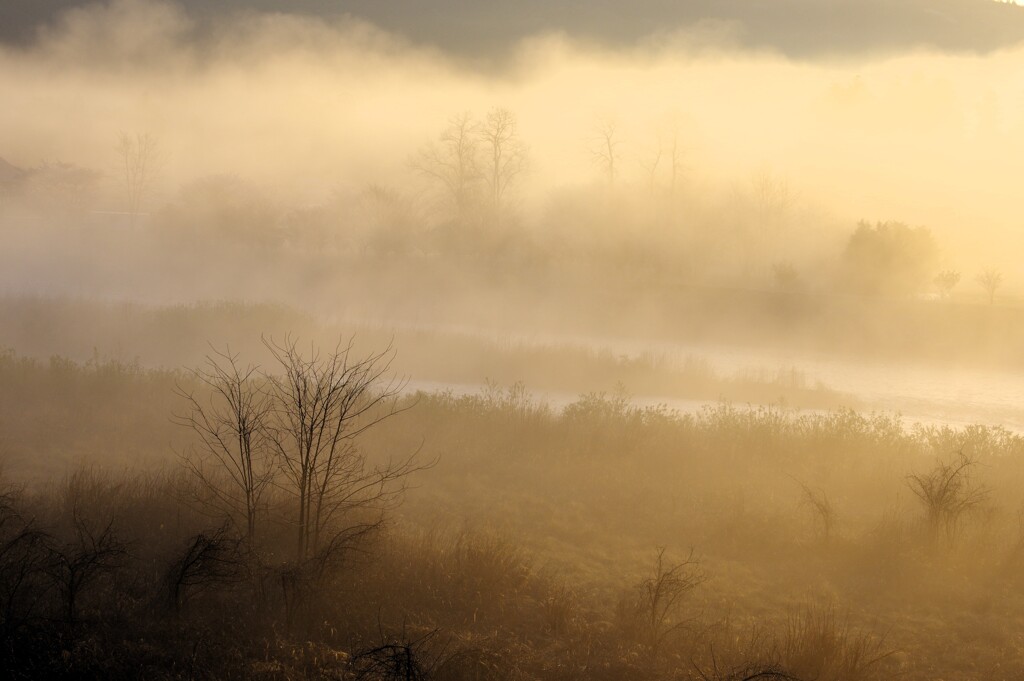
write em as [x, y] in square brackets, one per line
[478, 28]
[892, 118]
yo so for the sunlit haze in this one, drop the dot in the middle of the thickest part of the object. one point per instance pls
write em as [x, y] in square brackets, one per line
[546, 340]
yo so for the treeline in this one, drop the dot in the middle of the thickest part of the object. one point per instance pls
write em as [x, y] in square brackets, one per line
[646, 221]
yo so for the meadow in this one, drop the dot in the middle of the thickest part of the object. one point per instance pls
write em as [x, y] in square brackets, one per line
[595, 540]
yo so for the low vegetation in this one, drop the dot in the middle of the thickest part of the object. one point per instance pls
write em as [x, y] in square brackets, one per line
[600, 540]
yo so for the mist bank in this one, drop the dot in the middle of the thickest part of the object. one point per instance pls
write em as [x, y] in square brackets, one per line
[682, 190]
[683, 374]
[307, 107]
[179, 338]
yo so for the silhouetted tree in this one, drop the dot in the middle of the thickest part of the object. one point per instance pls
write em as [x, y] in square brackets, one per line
[138, 156]
[605, 150]
[990, 280]
[505, 156]
[233, 461]
[675, 160]
[452, 164]
[24, 559]
[651, 163]
[77, 563]
[660, 596]
[818, 502]
[889, 257]
[210, 559]
[322, 403]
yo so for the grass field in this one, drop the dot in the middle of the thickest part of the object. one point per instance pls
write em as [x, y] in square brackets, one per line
[794, 544]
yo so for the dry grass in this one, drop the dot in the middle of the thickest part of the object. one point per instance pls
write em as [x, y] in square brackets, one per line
[561, 510]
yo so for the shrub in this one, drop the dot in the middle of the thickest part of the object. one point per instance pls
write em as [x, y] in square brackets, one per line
[948, 493]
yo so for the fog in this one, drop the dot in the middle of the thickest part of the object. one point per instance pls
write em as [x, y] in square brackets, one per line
[455, 341]
[293, 157]
[305, 107]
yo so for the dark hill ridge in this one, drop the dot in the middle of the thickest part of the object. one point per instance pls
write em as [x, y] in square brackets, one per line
[800, 28]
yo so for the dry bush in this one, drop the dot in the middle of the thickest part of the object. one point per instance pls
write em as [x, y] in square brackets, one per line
[949, 493]
[724, 651]
[480, 575]
[211, 560]
[821, 506]
[560, 610]
[654, 615]
[817, 644]
[24, 557]
[565, 483]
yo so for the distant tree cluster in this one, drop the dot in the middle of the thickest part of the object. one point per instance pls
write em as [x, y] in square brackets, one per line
[889, 258]
[473, 175]
[474, 165]
[945, 281]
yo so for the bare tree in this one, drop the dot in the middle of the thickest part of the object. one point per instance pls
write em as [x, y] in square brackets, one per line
[234, 459]
[138, 156]
[322, 403]
[24, 554]
[76, 564]
[605, 150]
[990, 280]
[210, 559]
[506, 155]
[660, 596]
[948, 493]
[818, 502]
[675, 158]
[453, 165]
[650, 165]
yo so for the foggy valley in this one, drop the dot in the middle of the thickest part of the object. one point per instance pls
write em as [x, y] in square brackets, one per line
[549, 341]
